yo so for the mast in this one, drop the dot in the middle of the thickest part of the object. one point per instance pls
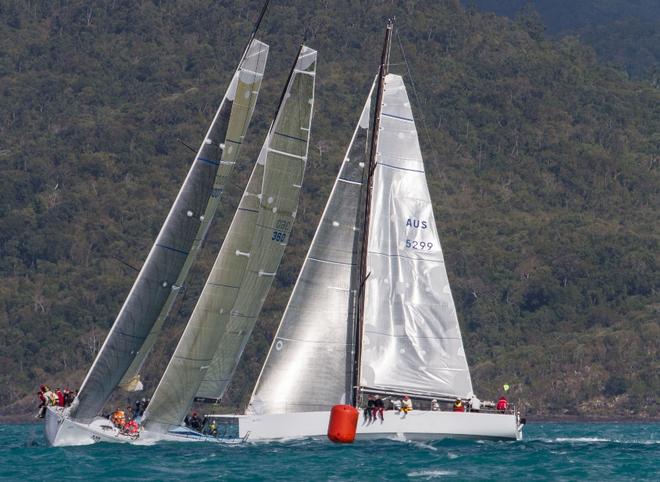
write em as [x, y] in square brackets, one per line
[371, 166]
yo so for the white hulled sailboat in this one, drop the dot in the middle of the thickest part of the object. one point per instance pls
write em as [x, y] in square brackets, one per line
[372, 310]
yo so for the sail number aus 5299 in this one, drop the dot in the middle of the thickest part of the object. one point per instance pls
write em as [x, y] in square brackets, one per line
[418, 244]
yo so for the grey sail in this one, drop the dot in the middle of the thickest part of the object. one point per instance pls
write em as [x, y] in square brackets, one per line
[249, 257]
[185, 227]
[411, 339]
[291, 136]
[233, 118]
[310, 363]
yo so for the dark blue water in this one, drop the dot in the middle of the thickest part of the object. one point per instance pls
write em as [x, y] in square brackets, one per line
[604, 451]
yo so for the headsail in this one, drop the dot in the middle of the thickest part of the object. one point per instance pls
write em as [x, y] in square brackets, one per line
[412, 341]
[171, 256]
[250, 255]
[310, 363]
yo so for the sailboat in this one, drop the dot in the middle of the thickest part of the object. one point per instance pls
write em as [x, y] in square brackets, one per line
[231, 300]
[241, 276]
[372, 310]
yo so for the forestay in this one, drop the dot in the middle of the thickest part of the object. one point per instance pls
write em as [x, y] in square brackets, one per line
[251, 252]
[169, 260]
[412, 341]
[310, 363]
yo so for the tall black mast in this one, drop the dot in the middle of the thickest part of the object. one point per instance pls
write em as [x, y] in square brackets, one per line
[371, 166]
[256, 28]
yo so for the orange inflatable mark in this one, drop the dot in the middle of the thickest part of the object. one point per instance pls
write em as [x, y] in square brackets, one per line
[343, 424]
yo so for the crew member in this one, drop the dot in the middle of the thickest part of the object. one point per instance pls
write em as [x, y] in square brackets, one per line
[502, 404]
[60, 397]
[435, 406]
[118, 418]
[379, 408]
[458, 405]
[42, 402]
[369, 409]
[407, 405]
[475, 404]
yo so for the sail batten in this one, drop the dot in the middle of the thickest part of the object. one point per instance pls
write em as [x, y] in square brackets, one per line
[168, 262]
[234, 293]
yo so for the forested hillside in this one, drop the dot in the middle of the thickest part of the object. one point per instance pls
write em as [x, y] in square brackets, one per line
[625, 33]
[542, 164]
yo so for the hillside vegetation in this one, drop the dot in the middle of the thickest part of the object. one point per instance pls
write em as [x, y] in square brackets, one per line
[542, 165]
[624, 33]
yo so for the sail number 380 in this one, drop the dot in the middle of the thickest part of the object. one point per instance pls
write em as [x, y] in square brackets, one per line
[418, 244]
[281, 228]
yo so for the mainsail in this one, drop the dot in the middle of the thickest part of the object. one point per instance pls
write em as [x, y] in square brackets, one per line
[310, 363]
[177, 244]
[412, 341]
[248, 260]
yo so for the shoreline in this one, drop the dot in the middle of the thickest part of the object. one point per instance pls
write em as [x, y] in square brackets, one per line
[531, 419]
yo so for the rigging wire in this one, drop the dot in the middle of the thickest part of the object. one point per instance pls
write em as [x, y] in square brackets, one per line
[419, 103]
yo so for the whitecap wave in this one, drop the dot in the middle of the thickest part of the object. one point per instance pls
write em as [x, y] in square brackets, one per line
[581, 439]
[431, 474]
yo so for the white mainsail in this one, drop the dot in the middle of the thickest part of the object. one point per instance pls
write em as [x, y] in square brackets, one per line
[310, 363]
[177, 244]
[249, 257]
[411, 337]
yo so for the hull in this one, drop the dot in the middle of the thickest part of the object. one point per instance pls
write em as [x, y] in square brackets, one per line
[416, 425]
[61, 431]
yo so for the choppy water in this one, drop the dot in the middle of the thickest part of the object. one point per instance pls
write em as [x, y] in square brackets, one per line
[554, 451]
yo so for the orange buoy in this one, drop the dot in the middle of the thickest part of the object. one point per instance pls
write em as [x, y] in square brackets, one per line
[343, 424]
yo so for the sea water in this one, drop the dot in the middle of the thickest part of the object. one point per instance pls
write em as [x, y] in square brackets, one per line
[550, 451]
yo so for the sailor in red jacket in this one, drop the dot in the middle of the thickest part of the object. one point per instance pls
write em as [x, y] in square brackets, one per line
[502, 404]
[60, 397]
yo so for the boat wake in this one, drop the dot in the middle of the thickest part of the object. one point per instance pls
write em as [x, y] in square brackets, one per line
[431, 474]
[591, 440]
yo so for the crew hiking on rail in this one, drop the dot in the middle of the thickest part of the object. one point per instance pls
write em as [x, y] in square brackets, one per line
[53, 398]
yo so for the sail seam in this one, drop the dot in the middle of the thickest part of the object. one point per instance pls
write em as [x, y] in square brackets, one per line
[178, 357]
[208, 161]
[313, 341]
[392, 116]
[223, 285]
[256, 74]
[291, 137]
[406, 257]
[331, 262]
[270, 149]
[414, 337]
[400, 168]
[171, 248]
[350, 182]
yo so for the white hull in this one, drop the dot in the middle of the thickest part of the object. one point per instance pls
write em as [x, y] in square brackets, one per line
[416, 425]
[62, 431]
